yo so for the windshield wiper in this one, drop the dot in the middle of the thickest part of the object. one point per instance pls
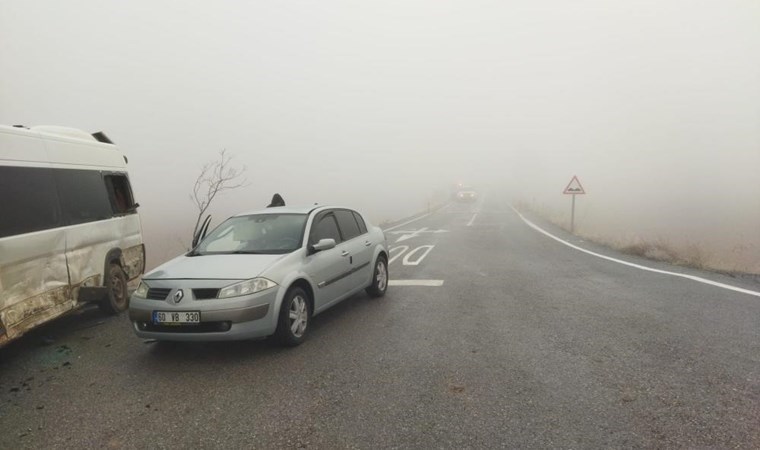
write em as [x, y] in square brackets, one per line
[244, 252]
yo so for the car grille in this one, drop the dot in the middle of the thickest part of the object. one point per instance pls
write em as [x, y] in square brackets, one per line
[158, 293]
[204, 294]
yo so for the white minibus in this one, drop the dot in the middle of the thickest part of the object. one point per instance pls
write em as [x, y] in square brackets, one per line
[69, 229]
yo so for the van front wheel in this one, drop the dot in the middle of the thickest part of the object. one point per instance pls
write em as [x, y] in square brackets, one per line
[118, 296]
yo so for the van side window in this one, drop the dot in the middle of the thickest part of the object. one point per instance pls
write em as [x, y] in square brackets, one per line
[28, 200]
[83, 196]
[119, 194]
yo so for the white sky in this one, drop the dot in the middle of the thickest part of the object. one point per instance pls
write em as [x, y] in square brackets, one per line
[655, 105]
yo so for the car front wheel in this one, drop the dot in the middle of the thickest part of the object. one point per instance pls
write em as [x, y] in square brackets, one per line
[379, 279]
[295, 314]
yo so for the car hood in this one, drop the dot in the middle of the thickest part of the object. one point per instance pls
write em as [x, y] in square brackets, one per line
[213, 267]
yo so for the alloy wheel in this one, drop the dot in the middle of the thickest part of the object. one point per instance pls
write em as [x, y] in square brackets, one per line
[298, 315]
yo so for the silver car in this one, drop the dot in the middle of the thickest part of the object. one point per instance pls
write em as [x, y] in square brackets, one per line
[262, 273]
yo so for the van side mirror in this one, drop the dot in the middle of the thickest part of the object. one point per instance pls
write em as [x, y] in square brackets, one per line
[323, 244]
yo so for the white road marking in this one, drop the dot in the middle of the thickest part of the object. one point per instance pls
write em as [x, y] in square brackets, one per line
[414, 233]
[393, 249]
[415, 282]
[469, 224]
[406, 236]
[425, 248]
[637, 266]
[416, 218]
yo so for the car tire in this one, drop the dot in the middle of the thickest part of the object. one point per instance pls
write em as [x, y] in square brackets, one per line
[379, 278]
[117, 299]
[294, 319]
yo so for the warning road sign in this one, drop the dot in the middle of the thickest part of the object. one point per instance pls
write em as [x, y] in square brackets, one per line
[574, 187]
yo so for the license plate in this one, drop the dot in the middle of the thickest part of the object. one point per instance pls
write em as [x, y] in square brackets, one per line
[177, 317]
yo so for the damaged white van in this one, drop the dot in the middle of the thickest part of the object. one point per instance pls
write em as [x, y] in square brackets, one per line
[69, 229]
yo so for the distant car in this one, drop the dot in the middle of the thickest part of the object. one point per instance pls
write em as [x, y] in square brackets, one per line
[466, 194]
[262, 273]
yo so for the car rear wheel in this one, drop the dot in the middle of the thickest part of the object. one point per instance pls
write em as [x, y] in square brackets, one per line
[379, 279]
[117, 299]
[295, 314]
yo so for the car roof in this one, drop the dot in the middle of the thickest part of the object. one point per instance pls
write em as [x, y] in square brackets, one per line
[290, 210]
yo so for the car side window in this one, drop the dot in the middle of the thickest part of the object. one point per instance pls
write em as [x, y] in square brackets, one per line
[326, 228]
[360, 222]
[348, 226]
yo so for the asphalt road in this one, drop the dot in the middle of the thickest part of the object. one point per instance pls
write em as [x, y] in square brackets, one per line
[502, 337]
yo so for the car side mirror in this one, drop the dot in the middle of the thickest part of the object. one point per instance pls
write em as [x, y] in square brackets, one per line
[323, 244]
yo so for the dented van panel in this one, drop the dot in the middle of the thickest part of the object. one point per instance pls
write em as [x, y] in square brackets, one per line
[133, 261]
[35, 288]
[88, 245]
[30, 312]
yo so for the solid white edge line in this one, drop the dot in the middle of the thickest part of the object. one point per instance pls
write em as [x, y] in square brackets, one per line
[415, 282]
[637, 266]
[469, 224]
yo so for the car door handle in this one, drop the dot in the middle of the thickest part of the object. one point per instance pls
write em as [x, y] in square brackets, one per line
[367, 243]
[344, 253]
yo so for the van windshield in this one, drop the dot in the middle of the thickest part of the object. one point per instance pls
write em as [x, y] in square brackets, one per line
[258, 233]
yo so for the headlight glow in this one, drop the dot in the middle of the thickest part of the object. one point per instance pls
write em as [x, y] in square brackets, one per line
[247, 287]
[141, 291]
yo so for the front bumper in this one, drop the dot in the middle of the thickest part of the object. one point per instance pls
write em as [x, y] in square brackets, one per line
[237, 318]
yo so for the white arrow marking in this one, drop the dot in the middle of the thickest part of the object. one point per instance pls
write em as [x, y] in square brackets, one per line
[411, 235]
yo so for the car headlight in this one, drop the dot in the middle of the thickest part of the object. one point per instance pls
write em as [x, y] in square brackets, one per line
[247, 287]
[141, 291]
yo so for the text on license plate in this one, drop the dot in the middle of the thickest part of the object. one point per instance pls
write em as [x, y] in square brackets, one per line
[176, 316]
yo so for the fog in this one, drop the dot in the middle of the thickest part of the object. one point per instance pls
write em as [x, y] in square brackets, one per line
[655, 105]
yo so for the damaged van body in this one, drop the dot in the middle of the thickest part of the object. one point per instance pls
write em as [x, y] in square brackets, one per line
[69, 229]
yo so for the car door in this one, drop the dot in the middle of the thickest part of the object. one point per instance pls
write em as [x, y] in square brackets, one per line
[360, 253]
[328, 268]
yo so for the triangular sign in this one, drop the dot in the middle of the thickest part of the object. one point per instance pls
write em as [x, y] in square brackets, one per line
[574, 187]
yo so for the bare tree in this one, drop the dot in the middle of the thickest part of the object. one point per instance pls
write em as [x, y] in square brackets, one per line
[215, 177]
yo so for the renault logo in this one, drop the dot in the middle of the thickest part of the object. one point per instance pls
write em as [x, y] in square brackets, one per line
[178, 296]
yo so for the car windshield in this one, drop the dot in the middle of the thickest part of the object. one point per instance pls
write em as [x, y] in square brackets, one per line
[258, 233]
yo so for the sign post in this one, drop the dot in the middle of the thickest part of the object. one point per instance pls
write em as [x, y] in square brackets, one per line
[573, 188]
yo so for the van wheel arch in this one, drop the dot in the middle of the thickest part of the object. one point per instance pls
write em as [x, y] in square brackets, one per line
[112, 257]
[108, 304]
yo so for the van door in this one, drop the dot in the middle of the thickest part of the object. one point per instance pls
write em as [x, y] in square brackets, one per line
[90, 236]
[34, 280]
